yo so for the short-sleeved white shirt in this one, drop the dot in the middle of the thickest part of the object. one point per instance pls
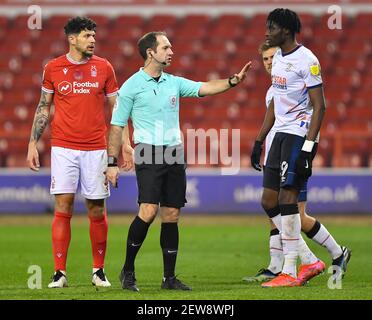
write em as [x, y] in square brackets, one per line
[292, 75]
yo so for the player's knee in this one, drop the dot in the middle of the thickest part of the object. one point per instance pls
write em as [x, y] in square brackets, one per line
[148, 212]
[301, 208]
[288, 196]
[269, 199]
[170, 215]
[64, 204]
[96, 208]
[96, 212]
[268, 202]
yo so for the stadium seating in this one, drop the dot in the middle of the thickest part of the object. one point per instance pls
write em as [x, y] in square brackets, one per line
[205, 48]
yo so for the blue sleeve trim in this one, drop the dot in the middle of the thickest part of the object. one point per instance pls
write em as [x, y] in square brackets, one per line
[316, 86]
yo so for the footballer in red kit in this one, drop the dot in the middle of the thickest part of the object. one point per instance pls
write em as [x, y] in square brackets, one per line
[84, 84]
[77, 83]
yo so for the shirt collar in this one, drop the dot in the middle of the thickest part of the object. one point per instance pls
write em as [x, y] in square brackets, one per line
[74, 61]
[290, 52]
[147, 77]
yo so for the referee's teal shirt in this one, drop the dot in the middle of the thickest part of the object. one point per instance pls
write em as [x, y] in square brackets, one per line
[153, 107]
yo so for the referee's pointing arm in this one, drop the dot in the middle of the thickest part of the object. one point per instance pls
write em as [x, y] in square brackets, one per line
[221, 85]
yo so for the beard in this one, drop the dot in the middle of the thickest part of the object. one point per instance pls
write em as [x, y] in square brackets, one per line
[87, 54]
[84, 52]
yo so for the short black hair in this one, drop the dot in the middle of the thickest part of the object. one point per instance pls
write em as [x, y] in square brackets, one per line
[78, 24]
[285, 18]
[149, 41]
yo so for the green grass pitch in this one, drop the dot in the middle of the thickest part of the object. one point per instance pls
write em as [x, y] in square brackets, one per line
[215, 253]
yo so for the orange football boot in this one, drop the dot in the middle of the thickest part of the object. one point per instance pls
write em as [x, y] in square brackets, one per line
[282, 280]
[309, 271]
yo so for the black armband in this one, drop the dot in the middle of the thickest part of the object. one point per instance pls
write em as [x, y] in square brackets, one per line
[230, 83]
[112, 161]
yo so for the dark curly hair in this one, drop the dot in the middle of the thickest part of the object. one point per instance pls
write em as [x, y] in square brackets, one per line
[285, 18]
[78, 24]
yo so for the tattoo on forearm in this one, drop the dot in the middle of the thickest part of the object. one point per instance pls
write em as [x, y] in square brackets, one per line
[41, 118]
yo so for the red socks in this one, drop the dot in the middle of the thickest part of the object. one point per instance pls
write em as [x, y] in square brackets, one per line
[98, 238]
[61, 236]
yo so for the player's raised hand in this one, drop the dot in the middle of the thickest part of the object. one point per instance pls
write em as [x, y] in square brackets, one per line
[256, 155]
[112, 176]
[128, 153]
[33, 157]
[239, 77]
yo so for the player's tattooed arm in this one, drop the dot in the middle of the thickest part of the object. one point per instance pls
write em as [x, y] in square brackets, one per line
[38, 127]
[41, 116]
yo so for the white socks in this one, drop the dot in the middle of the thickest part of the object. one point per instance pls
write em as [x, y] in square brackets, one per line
[304, 252]
[325, 239]
[291, 225]
[290, 241]
[276, 253]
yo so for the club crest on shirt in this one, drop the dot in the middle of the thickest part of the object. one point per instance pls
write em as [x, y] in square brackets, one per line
[93, 71]
[173, 100]
[289, 67]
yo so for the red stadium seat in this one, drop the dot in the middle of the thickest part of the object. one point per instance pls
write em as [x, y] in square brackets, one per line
[362, 19]
[161, 22]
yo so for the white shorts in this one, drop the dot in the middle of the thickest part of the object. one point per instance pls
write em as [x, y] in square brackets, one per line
[68, 166]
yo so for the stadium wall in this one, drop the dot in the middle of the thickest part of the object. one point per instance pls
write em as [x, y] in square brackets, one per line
[330, 192]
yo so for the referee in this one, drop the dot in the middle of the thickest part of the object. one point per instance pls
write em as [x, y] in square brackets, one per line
[150, 97]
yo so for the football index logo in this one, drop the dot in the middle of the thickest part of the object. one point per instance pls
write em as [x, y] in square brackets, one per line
[65, 87]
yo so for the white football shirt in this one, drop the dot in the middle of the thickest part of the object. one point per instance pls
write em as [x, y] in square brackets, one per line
[292, 75]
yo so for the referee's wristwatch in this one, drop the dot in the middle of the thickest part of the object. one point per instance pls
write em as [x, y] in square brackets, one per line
[230, 83]
[112, 161]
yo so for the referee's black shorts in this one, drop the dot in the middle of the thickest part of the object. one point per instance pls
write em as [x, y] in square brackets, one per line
[161, 175]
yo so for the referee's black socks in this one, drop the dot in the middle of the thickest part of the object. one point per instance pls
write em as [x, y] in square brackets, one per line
[169, 243]
[136, 235]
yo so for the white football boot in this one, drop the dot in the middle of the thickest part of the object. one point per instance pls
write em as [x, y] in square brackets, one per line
[59, 280]
[99, 278]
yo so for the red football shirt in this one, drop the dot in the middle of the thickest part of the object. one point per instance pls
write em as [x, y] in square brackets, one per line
[79, 89]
